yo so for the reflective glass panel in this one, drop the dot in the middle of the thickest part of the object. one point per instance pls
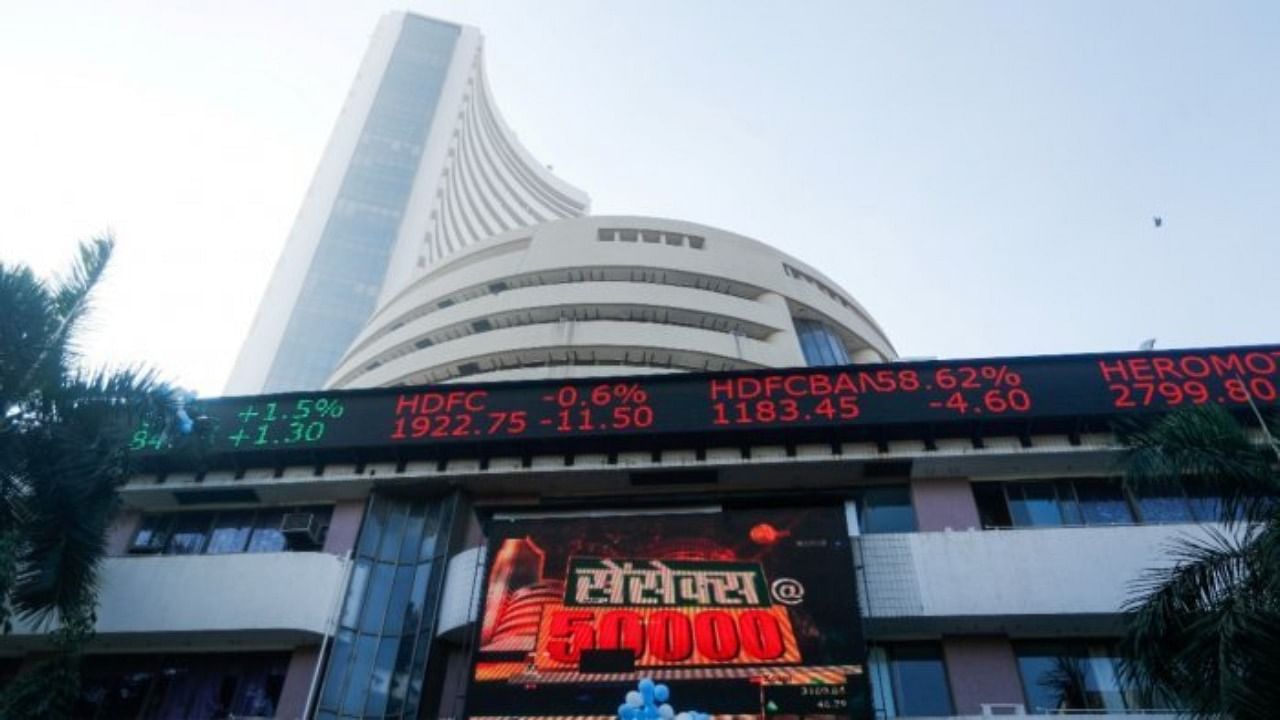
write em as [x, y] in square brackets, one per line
[887, 510]
[1164, 505]
[230, 532]
[1102, 502]
[190, 531]
[266, 535]
[919, 680]
[1034, 504]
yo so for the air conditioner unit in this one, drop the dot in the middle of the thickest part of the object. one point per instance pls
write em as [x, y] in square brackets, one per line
[301, 530]
[152, 545]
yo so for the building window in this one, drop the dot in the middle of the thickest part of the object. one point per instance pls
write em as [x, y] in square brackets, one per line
[909, 680]
[1093, 501]
[230, 533]
[1077, 675]
[386, 626]
[1074, 502]
[820, 344]
[225, 532]
[194, 687]
[885, 509]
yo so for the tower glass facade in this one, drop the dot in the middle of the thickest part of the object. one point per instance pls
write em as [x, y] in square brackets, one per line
[350, 261]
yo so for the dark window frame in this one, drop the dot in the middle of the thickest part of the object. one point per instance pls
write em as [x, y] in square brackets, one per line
[859, 498]
[892, 654]
[1067, 495]
[166, 522]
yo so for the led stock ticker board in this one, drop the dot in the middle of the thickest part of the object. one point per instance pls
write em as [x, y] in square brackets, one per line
[935, 393]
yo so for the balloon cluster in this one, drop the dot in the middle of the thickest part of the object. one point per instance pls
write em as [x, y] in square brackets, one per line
[642, 704]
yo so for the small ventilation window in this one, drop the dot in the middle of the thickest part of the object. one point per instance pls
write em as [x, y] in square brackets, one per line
[650, 236]
[628, 235]
[423, 343]
[468, 369]
[481, 326]
[673, 239]
[497, 287]
[606, 235]
[697, 243]
[445, 303]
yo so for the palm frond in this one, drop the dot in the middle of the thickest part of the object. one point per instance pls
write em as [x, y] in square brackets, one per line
[27, 324]
[73, 477]
[1206, 630]
[73, 291]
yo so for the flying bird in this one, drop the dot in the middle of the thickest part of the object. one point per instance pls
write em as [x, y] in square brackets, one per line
[1157, 221]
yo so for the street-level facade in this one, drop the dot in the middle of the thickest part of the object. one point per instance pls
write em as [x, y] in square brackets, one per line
[919, 539]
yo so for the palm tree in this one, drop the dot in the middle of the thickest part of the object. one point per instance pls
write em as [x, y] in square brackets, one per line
[63, 433]
[1204, 633]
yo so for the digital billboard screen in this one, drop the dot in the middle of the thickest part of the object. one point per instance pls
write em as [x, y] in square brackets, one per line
[719, 605]
[949, 397]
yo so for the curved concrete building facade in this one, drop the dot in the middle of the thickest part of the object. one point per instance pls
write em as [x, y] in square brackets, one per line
[419, 165]
[609, 295]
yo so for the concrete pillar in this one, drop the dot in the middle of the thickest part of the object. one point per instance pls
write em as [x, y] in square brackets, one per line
[944, 504]
[981, 669]
[297, 683]
[344, 526]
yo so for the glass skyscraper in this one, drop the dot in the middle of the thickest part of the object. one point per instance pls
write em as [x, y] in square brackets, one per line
[418, 166]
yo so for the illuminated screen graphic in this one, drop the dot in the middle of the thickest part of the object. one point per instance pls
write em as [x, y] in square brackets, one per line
[719, 605]
[947, 396]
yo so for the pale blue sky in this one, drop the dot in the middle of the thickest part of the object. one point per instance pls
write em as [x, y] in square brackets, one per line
[980, 175]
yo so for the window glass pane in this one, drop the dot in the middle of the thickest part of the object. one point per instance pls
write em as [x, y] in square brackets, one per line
[358, 678]
[887, 509]
[429, 531]
[154, 531]
[266, 535]
[380, 683]
[230, 532]
[371, 533]
[1102, 681]
[1163, 505]
[257, 691]
[413, 533]
[1034, 504]
[1206, 503]
[820, 344]
[393, 533]
[1069, 676]
[1102, 502]
[1052, 682]
[343, 644]
[375, 603]
[400, 674]
[1068, 507]
[398, 605]
[920, 680]
[190, 530]
[355, 593]
[993, 510]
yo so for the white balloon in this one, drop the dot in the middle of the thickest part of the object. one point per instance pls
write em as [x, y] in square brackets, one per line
[634, 699]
